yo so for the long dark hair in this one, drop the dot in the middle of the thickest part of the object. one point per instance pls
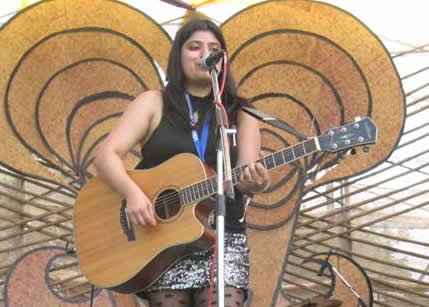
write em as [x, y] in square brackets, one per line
[175, 108]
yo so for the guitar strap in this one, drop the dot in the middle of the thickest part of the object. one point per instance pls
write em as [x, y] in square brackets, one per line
[200, 141]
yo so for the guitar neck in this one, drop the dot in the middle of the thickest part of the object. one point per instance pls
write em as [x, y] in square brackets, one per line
[208, 187]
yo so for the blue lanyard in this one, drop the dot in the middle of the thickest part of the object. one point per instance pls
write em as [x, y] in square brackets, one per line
[200, 142]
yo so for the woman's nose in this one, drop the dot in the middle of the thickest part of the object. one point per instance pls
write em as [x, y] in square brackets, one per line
[205, 52]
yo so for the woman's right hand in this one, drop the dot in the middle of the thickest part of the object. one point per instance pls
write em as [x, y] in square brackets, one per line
[140, 210]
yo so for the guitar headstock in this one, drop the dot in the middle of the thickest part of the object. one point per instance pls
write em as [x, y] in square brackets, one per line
[360, 132]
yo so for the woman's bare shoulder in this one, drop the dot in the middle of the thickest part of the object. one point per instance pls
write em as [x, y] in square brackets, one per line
[154, 95]
[149, 101]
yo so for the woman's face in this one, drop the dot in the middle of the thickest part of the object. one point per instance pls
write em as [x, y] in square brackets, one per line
[199, 44]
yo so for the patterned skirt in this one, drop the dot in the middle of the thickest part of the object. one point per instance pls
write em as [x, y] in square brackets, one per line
[193, 271]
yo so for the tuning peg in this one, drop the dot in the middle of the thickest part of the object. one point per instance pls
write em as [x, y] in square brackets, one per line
[365, 148]
[353, 151]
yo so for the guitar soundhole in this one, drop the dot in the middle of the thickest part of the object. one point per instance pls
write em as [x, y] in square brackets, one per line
[168, 205]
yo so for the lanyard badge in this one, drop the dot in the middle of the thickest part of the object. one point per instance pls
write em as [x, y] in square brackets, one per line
[200, 141]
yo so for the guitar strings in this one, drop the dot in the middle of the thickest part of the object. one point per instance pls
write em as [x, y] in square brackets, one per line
[278, 158]
[171, 198]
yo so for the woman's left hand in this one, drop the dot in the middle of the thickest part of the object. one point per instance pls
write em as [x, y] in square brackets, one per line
[254, 179]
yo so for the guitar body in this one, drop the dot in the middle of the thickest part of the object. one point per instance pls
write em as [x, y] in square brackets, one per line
[127, 258]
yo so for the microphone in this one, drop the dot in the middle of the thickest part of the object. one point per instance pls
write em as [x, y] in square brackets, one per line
[208, 61]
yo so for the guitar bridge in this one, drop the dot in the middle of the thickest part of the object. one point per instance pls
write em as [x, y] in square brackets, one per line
[126, 225]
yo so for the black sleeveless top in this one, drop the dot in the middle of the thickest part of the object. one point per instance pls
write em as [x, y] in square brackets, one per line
[169, 140]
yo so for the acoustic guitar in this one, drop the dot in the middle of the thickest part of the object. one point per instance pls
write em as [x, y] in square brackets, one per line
[115, 254]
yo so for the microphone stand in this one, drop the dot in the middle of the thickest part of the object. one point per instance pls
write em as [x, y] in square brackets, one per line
[223, 184]
[361, 303]
[325, 264]
[275, 122]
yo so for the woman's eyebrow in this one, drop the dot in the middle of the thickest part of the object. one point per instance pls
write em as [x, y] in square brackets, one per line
[215, 44]
[199, 42]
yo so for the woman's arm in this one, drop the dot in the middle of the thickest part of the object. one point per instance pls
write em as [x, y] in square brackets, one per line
[135, 125]
[255, 177]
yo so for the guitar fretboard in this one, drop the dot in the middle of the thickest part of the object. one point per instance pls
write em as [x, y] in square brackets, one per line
[208, 187]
